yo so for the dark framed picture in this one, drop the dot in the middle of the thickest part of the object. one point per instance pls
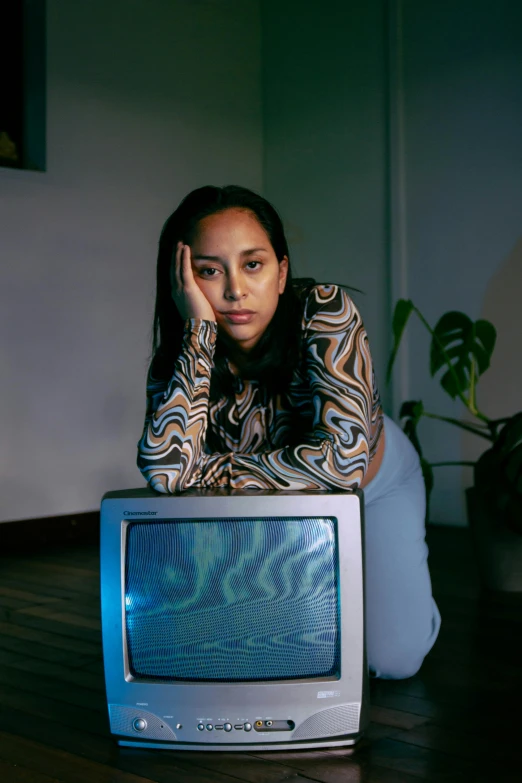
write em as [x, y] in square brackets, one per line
[22, 84]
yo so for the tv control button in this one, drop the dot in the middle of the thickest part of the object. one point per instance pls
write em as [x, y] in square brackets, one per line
[218, 728]
[228, 727]
[239, 726]
[201, 726]
[139, 724]
[209, 727]
[248, 727]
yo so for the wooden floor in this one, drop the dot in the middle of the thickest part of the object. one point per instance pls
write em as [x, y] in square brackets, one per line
[459, 719]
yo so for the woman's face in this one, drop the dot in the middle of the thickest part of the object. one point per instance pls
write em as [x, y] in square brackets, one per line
[236, 268]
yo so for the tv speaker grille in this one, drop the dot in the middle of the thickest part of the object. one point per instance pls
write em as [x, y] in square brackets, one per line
[343, 719]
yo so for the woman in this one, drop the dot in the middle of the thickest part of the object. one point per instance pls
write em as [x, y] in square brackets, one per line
[261, 381]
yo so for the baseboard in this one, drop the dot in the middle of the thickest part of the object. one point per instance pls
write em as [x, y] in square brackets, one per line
[27, 534]
[67, 529]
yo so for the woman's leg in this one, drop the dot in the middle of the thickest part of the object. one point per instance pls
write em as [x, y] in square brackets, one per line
[402, 619]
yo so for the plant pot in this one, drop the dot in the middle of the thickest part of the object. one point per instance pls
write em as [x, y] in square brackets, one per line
[498, 548]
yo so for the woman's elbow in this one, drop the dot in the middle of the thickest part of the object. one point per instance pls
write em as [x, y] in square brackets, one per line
[349, 471]
[166, 481]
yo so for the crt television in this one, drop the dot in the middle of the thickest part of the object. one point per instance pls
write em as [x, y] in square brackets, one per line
[234, 620]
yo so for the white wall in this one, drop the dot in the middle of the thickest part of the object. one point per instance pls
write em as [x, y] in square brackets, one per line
[415, 192]
[325, 137]
[147, 99]
[461, 88]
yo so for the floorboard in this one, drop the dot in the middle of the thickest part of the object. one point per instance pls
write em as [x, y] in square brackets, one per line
[456, 721]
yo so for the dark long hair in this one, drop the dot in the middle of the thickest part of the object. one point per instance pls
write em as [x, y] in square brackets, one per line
[273, 359]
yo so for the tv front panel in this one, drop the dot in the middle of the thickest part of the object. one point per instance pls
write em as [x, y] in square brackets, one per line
[233, 619]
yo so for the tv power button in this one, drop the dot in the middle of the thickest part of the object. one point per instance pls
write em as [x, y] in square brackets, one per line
[139, 724]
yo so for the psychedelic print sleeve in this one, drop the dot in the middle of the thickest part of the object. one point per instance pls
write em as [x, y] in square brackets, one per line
[335, 454]
[177, 412]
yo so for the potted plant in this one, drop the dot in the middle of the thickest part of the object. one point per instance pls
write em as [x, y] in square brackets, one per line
[463, 349]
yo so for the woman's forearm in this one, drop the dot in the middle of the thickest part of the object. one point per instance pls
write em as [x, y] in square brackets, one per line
[174, 433]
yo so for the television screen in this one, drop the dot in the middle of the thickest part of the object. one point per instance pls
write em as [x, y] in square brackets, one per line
[235, 599]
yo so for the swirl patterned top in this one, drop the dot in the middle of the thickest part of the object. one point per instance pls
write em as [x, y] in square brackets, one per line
[320, 434]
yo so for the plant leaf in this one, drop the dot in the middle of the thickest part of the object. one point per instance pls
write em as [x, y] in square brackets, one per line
[427, 472]
[463, 341]
[510, 434]
[514, 513]
[403, 310]
[513, 468]
[412, 411]
[498, 474]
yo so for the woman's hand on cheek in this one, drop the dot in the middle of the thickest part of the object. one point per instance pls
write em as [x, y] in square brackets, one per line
[187, 296]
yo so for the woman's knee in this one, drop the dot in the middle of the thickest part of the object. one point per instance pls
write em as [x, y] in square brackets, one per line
[395, 665]
[401, 655]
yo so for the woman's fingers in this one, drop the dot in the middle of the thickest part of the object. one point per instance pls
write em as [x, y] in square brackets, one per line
[186, 268]
[190, 301]
[178, 273]
[174, 270]
[185, 277]
[177, 267]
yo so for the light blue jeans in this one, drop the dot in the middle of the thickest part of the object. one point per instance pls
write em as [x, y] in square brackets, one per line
[402, 619]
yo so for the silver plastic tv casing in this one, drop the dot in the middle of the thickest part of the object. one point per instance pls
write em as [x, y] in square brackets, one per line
[327, 712]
